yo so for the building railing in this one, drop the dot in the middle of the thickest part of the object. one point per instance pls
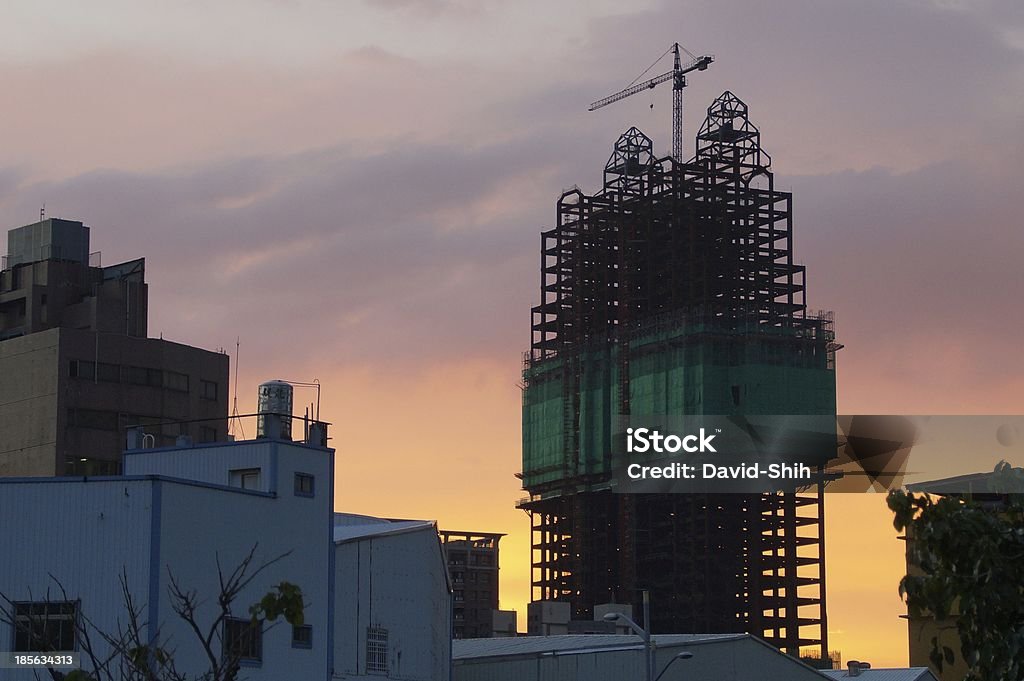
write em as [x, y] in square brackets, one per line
[48, 253]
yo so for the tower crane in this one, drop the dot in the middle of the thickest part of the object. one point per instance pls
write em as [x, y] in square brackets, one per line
[678, 77]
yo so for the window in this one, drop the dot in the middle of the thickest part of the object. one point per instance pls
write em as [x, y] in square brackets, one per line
[377, 649]
[243, 639]
[82, 369]
[302, 636]
[176, 381]
[246, 478]
[44, 626]
[91, 371]
[142, 376]
[111, 373]
[207, 434]
[207, 390]
[304, 485]
[95, 419]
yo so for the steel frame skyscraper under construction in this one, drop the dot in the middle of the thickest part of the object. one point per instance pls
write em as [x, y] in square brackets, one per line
[673, 291]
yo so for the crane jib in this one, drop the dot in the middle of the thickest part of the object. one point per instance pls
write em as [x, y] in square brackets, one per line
[678, 77]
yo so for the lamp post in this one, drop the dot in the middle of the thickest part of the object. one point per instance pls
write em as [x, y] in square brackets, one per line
[685, 655]
[643, 634]
[648, 646]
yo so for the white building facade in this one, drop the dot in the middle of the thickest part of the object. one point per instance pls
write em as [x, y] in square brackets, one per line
[393, 616]
[179, 512]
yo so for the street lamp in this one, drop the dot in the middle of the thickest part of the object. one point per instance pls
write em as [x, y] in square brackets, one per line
[648, 645]
[685, 655]
[642, 633]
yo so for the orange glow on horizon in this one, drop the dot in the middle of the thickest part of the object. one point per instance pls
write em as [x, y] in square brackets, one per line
[443, 443]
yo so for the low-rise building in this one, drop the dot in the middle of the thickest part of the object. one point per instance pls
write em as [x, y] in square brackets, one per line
[377, 598]
[597, 657]
[393, 615]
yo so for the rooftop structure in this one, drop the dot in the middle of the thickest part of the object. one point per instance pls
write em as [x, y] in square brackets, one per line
[883, 674]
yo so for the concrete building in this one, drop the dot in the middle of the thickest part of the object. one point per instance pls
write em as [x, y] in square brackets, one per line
[473, 565]
[76, 366]
[595, 657]
[376, 593]
[504, 624]
[548, 618]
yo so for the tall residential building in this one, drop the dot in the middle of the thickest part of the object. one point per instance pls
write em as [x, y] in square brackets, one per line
[672, 291]
[473, 566]
[76, 366]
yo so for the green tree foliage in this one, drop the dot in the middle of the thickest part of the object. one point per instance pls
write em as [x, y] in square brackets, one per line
[971, 555]
[284, 600]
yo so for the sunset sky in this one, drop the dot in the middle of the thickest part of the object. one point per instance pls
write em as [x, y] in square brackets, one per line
[356, 189]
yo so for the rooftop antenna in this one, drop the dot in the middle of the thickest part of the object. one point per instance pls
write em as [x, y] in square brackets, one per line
[234, 405]
[42, 212]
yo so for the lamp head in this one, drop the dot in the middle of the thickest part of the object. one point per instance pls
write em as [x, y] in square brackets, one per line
[611, 616]
[685, 655]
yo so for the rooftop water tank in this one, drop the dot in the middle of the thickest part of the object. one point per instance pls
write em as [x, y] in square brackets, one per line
[275, 409]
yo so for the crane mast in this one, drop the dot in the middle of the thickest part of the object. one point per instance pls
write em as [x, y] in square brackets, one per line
[678, 77]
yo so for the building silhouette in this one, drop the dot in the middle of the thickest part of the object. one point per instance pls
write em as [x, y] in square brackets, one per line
[76, 366]
[473, 567]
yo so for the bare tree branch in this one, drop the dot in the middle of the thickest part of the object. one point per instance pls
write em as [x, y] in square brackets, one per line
[133, 650]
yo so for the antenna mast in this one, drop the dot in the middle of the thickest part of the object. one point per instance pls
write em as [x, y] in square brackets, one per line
[234, 406]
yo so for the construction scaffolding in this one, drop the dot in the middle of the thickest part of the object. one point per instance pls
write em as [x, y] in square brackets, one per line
[673, 291]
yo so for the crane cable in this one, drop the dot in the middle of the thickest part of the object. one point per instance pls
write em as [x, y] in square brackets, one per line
[650, 67]
[692, 56]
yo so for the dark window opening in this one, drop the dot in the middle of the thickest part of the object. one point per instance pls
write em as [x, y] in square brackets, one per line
[45, 626]
[304, 485]
[176, 381]
[207, 389]
[243, 639]
[302, 636]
